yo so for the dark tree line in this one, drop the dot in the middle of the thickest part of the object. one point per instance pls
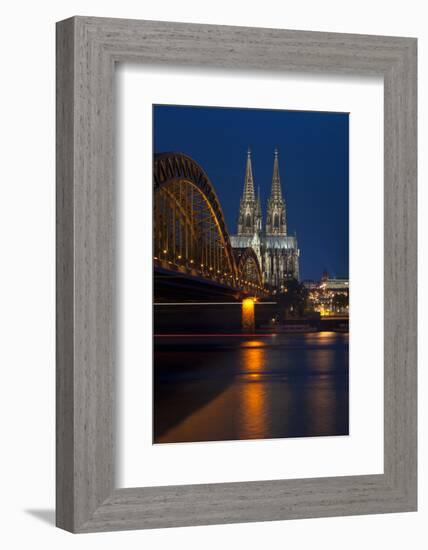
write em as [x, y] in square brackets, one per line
[293, 299]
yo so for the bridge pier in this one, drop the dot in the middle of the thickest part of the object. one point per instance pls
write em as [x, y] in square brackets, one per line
[248, 319]
[243, 316]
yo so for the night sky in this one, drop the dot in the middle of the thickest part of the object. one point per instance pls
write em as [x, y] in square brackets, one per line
[313, 162]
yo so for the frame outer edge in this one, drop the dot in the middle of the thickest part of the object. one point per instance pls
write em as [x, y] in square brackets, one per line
[94, 275]
[65, 55]
[401, 276]
[86, 498]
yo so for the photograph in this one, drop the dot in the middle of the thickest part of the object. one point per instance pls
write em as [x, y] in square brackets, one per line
[250, 274]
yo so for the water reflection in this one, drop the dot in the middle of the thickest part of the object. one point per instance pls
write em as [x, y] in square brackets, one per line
[252, 344]
[251, 397]
[225, 388]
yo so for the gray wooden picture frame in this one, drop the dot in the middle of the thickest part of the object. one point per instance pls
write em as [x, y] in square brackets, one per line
[87, 51]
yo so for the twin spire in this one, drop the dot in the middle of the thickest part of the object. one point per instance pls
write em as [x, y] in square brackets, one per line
[249, 194]
[250, 212]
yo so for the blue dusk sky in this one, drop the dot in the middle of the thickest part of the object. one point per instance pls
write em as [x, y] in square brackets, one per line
[313, 161]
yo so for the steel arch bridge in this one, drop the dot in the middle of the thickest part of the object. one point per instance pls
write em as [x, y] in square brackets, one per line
[190, 234]
[248, 267]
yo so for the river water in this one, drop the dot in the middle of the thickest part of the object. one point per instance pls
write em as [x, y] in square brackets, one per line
[216, 388]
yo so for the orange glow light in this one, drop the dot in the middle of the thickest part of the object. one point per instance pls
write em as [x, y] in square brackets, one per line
[248, 315]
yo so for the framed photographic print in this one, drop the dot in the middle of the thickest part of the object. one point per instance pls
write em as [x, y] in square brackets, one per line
[236, 274]
[246, 346]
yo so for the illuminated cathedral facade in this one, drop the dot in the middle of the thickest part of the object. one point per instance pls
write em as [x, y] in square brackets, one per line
[276, 250]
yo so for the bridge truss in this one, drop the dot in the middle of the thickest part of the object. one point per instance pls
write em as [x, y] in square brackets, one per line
[190, 234]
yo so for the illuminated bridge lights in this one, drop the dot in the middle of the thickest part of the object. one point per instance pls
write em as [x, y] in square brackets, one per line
[189, 224]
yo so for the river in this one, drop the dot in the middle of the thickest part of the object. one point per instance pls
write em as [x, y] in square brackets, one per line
[228, 387]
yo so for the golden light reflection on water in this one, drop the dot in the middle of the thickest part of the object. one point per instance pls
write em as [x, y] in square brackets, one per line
[210, 419]
[252, 396]
[252, 344]
[323, 335]
[253, 358]
[269, 391]
[243, 404]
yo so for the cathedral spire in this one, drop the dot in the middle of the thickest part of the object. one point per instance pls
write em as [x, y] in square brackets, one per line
[249, 182]
[248, 218]
[276, 223]
[276, 182]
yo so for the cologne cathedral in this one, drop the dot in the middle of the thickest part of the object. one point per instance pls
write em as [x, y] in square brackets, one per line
[277, 251]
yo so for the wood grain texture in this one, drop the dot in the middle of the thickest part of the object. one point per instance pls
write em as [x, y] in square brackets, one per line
[87, 50]
[64, 277]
